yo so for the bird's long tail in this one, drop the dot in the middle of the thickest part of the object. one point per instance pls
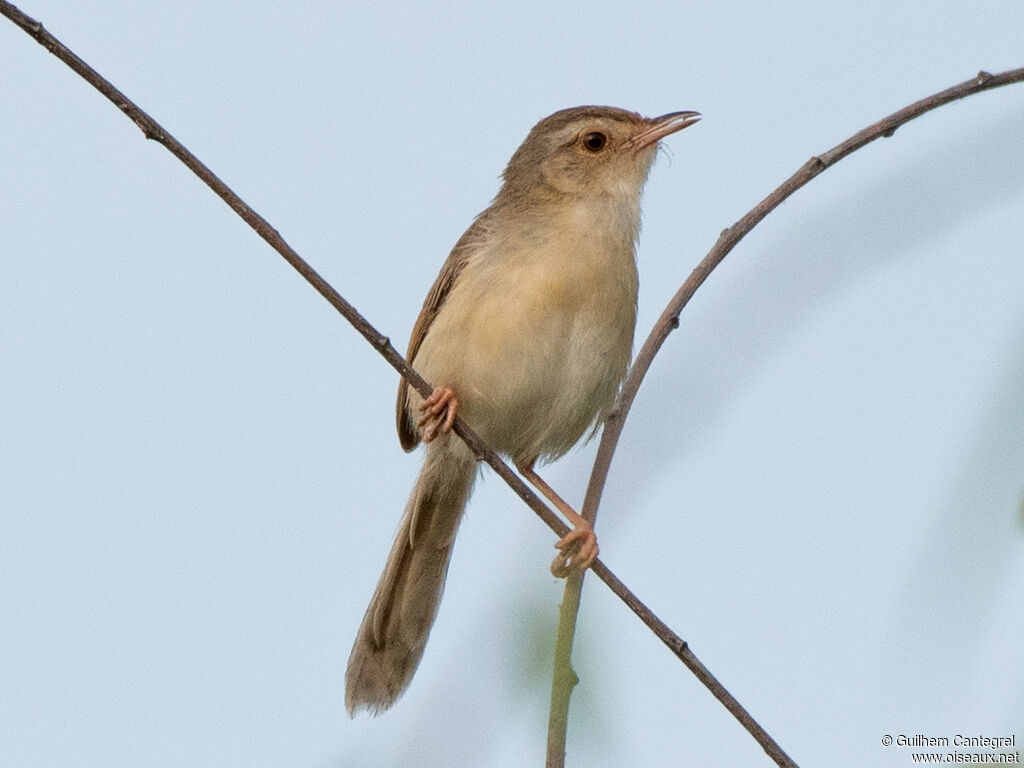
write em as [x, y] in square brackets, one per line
[394, 631]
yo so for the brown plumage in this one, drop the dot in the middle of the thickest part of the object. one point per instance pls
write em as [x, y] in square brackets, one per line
[528, 328]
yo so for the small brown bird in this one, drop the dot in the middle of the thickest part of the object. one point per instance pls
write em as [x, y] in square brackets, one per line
[527, 333]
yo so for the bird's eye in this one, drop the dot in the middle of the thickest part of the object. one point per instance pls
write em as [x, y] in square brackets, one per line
[594, 141]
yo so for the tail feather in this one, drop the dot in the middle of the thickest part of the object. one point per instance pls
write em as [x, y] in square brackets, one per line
[391, 639]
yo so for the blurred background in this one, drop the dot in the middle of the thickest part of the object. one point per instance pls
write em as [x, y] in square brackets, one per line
[820, 486]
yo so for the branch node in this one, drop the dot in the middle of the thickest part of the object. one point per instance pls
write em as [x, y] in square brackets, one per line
[148, 131]
[983, 77]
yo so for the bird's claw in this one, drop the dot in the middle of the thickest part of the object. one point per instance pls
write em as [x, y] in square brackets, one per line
[577, 551]
[438, 413]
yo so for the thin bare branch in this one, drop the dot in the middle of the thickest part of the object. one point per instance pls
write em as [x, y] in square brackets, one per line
[731, 236]
[667, 323]
[153, 130]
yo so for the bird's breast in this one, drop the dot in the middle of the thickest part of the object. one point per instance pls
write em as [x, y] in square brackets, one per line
[536, 335]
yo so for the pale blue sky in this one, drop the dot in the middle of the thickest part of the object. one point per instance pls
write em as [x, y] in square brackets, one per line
[820, 485]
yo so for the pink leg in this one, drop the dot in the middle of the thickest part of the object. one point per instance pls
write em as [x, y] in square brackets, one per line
[579, 546]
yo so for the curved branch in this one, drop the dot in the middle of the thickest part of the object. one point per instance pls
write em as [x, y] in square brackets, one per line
[730, 237]
[668, 322]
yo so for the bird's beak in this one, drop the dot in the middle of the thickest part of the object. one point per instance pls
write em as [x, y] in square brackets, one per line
[658, 128]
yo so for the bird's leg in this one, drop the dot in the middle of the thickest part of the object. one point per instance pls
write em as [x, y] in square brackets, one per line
[578, 548]
[438, 413]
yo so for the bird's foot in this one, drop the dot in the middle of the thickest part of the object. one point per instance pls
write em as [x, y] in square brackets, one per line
[438, 413]
[577, 550]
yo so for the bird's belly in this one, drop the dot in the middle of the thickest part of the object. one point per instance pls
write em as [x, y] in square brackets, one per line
[535, 363]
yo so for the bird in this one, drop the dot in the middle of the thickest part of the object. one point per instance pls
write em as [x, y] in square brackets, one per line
[527, 334]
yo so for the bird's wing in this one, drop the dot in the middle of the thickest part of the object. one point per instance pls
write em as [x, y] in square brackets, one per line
[465, 248]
